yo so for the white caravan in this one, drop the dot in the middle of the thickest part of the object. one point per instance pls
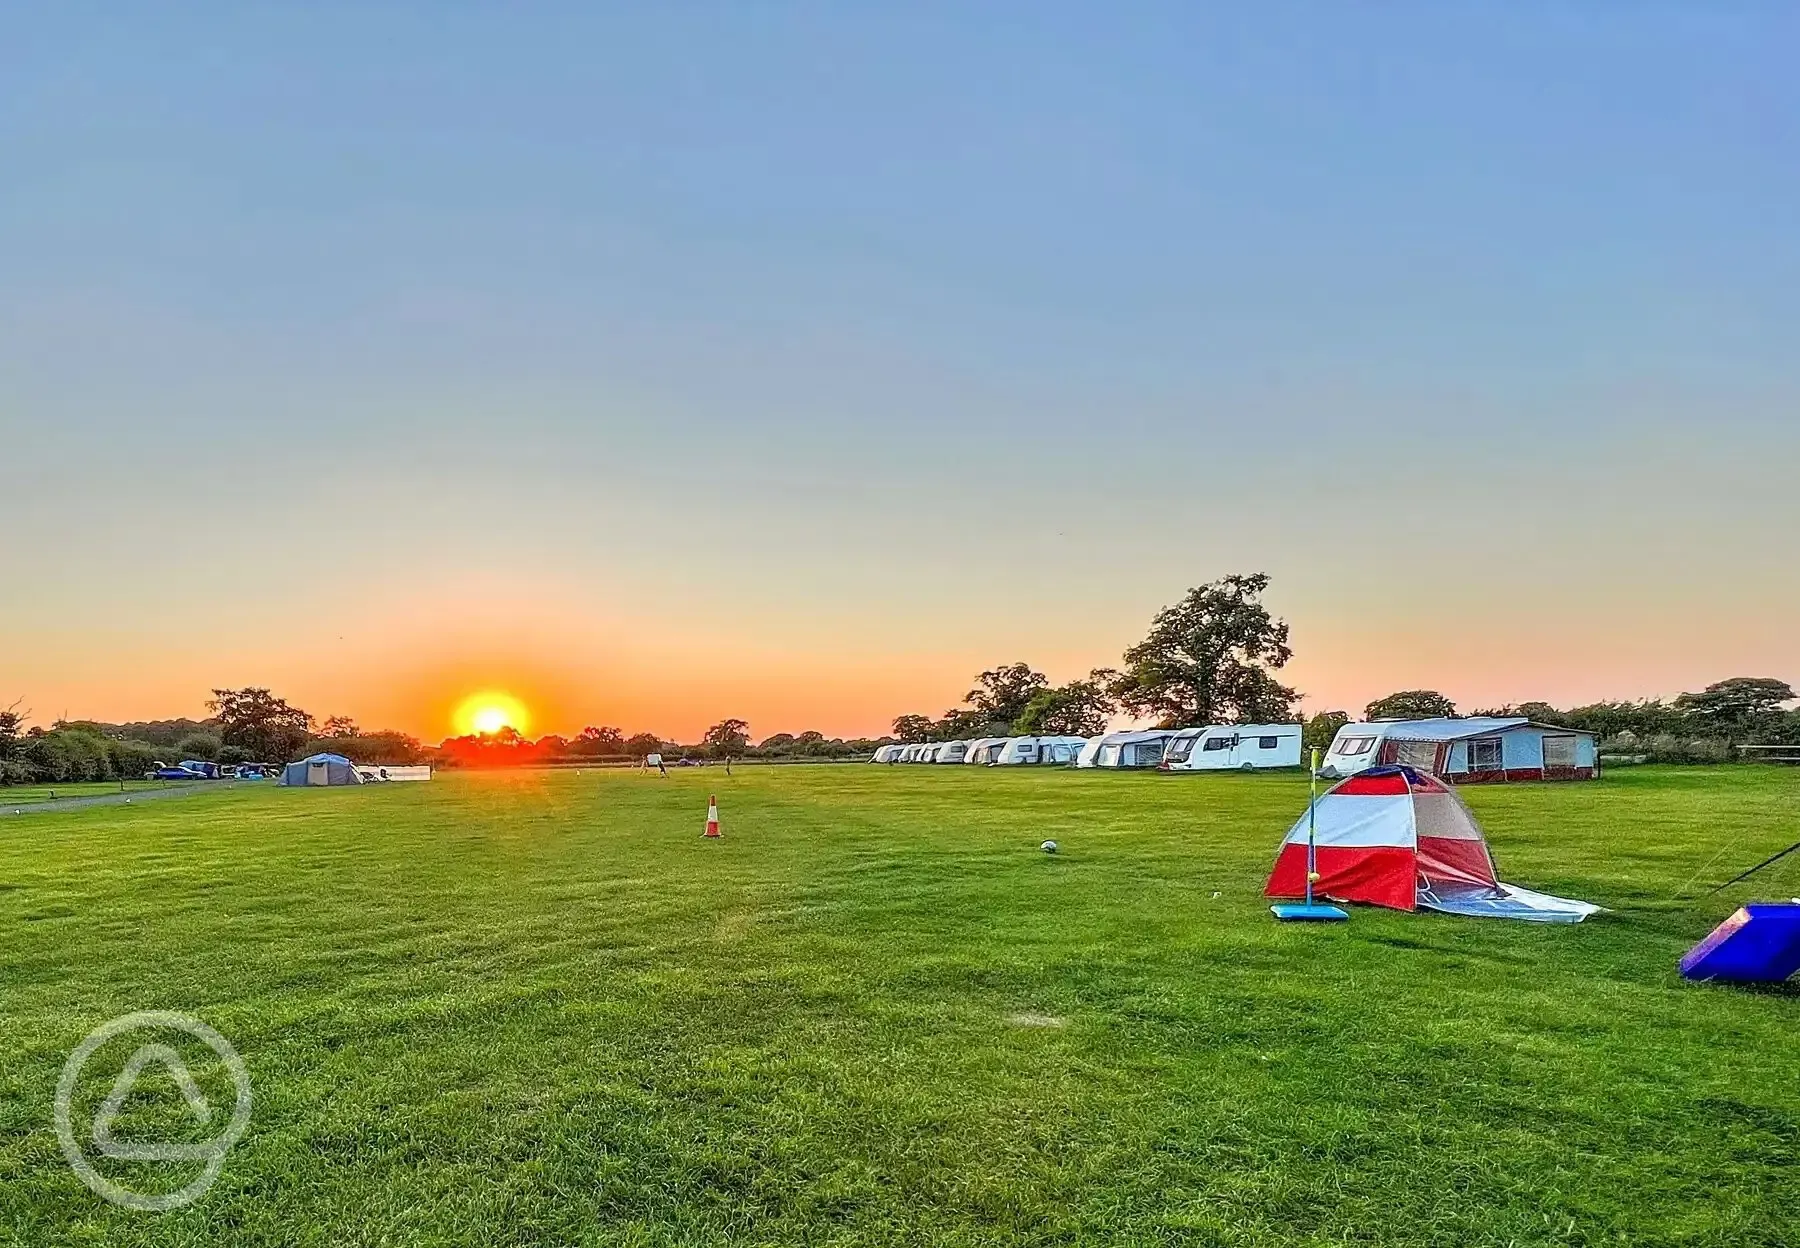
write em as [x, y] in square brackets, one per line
[887, 754]
[1233, 747]
[1043, 751]
[1466, 751]
[1125, 749]
[952, 752]
[984, 750]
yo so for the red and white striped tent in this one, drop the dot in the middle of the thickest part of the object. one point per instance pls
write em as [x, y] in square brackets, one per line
[1393, 836]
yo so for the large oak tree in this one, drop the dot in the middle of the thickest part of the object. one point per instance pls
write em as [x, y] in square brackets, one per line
[256, 721]
[1208, 659]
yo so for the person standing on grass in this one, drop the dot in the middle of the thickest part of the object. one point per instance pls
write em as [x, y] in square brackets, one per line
[655, 760]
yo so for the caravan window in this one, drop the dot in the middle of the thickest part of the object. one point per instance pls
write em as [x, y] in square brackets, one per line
[1484, 754]
[1355, 745]
[1218, 743]
[1559, 751]
[1178, 749]
[1267, 743]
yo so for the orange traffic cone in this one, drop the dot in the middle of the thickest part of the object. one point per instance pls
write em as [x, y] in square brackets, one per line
[712, 818]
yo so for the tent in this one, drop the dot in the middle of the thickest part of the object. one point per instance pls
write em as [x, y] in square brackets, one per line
[1397, 837]
[320, 769]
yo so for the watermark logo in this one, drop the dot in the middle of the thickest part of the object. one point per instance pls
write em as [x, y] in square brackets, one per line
[102, 1131]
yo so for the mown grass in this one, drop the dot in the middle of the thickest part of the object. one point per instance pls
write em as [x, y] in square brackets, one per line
[14, 795]
[537, 1008]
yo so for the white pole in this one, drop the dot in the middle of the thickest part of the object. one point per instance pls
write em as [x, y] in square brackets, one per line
[1312, 806]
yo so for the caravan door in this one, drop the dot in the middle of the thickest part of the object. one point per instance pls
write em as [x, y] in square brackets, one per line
[1217, 750]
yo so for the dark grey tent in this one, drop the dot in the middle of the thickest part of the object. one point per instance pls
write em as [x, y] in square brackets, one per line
[320, 769]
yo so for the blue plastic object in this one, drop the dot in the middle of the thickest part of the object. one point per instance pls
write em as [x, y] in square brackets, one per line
[1307, 912]
[1760, 944]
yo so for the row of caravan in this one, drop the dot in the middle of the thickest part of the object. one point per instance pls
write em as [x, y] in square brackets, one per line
[986, 751]
[1232, 747]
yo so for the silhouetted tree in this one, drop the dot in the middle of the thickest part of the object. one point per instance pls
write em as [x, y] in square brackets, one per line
[727, 738]
[1001, 694]
[1080, 708]
[256, 720]
[911, 728]
[1411, 704]
[1735, 703]
[640, 744]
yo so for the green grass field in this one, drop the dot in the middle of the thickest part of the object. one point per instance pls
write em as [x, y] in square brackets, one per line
[536, 1008]
[32, 794]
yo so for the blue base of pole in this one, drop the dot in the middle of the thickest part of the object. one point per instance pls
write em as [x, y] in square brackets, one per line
[1308, 911]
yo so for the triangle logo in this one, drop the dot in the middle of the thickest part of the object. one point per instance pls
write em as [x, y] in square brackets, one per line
[150, 1054]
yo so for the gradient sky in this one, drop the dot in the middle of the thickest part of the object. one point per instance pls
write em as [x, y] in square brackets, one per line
[666, 362]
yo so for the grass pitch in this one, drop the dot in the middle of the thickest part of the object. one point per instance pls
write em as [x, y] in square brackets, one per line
[537, 1008]
[14, 796]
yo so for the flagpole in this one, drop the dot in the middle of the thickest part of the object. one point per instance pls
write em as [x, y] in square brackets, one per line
[1312, 823]
[1311, 910]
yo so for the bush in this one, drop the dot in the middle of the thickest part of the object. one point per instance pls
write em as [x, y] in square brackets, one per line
[132, 758]
[1666, 747]
[68, 756]
[201, 745]
[1709, 750]
[373, 749]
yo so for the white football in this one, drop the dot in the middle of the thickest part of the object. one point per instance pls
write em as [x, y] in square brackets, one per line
[1049, 847]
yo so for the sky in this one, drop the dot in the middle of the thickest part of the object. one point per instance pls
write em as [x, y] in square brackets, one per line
[795, 362]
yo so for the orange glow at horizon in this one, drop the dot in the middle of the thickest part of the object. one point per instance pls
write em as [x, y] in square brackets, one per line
[488, 712]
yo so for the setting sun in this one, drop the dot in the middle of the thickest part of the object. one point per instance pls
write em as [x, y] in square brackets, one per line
[489, 712]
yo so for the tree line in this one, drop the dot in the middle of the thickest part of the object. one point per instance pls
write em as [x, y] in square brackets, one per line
[729, 738]
[1703, 727]
[249, 725]
[253, 725]
[1211, 658]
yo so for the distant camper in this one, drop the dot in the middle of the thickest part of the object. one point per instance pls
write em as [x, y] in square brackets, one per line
[886, 754]
[1124, 750]
[952, 752]
[1233, 747]
[1483, 750]
[1039, 751]
[984, 750]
